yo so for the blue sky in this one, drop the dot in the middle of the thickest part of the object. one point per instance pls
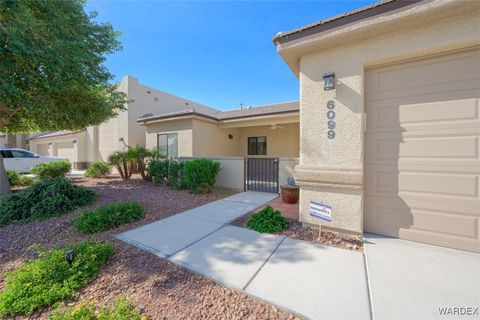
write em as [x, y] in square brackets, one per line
[217, 53]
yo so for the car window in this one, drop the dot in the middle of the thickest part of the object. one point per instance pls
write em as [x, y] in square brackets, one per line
[6, 154]
[22, 154]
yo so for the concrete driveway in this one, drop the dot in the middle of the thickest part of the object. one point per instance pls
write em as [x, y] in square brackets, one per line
[411, 280]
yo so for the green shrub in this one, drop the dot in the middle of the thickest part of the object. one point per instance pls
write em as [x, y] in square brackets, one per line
[48, 279]
[267, 220]
[200, 174]
[157, 170]
[175, 175]
[53, 169]
[46, 198]
[18, 179]
[121, 309]
[109, 216]
[98, 169]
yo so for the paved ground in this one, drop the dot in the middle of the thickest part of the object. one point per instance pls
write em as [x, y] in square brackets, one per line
[406, 280]
[410, 280]
[295, 275]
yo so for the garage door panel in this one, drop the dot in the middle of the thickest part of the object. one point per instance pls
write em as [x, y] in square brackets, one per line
[66, 150]
[449, 73]
[389, 216]
[391, 115]
[422, 162]
[387, 180]
[42, 149]
[389, 148]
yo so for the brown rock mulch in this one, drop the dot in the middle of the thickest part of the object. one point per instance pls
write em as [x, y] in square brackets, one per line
[297, 230]
[158, 287]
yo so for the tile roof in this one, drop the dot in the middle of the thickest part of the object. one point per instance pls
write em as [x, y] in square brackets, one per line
[53, 134]
[342, 19]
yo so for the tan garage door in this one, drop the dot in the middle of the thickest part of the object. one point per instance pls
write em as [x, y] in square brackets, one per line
[66, 150]
[422, 149]
[42, 149]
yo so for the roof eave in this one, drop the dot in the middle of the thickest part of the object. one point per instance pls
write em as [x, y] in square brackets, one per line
[291, 50]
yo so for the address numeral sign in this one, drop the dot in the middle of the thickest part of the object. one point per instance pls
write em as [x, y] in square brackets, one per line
[331, 119]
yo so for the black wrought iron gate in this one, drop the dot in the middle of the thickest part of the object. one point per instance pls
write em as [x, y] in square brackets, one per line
[261, 174]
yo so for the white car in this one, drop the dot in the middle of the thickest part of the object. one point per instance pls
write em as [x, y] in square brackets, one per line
[23, 161]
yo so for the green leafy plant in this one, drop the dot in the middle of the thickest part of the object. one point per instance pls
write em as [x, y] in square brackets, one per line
[175, 174]
[48, 279]
[53, 169]
[44, 199]
[53, 72]
[109, 216]
[18, 179]
[98, 169]
[157, 170]
[200, 174]
[121, 309]
[267, 220]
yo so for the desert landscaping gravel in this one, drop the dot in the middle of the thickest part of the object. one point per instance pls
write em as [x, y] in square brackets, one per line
[159, 288]
[297, 230]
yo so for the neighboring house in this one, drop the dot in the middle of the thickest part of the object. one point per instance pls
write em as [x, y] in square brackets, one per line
[13, 140]
[399, 153]
[257, 147]
[99, 142]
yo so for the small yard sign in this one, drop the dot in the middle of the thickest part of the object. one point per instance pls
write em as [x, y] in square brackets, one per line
[321, 210]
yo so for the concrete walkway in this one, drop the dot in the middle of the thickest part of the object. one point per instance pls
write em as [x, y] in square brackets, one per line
[411, 280]
[294, 275]
[406, 280]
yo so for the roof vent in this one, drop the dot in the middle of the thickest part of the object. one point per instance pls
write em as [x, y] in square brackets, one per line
[146, 115]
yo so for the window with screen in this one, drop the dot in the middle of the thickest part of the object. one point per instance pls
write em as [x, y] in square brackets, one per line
[168, 144]
[257, 146]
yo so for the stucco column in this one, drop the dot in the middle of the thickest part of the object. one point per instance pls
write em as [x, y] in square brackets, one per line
[331, 169]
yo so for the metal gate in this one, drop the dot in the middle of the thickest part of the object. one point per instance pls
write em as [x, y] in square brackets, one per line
[261, 174]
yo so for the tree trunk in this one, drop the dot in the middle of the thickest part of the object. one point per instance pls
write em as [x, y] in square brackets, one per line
[122, 175]
[141, 168]
[125, 169]
[4, 185]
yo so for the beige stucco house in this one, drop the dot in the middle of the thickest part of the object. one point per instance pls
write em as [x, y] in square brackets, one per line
[8, 140]
[393, 148]
[99, 142]
[258, 147]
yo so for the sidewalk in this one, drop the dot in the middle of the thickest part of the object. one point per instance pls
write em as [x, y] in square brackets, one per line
[311, 280]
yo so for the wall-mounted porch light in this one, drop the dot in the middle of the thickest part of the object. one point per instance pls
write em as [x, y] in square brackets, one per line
[230, 136]
[329, 81]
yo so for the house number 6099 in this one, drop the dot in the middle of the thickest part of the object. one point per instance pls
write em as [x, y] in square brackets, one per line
[331, 119]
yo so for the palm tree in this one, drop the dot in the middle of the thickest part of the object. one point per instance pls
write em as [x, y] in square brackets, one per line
[120, 160]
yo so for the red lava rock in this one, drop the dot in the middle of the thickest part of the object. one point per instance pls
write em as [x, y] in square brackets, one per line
[158, 287]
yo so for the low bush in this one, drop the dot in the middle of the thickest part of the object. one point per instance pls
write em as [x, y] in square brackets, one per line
[267, 220]
[200, 174]
[53, 169]
[121, 309]
[17, 179]
[45, 198]
[175, 175]
[48, 279]
[157, 170]
[109, 216]
[98, 169]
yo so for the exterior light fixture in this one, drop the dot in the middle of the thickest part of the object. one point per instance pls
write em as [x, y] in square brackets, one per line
[69, 256]
[121, 139]
[329, 81]
[230, 136]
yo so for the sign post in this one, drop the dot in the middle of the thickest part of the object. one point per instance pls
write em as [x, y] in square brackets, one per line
[322, 211]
